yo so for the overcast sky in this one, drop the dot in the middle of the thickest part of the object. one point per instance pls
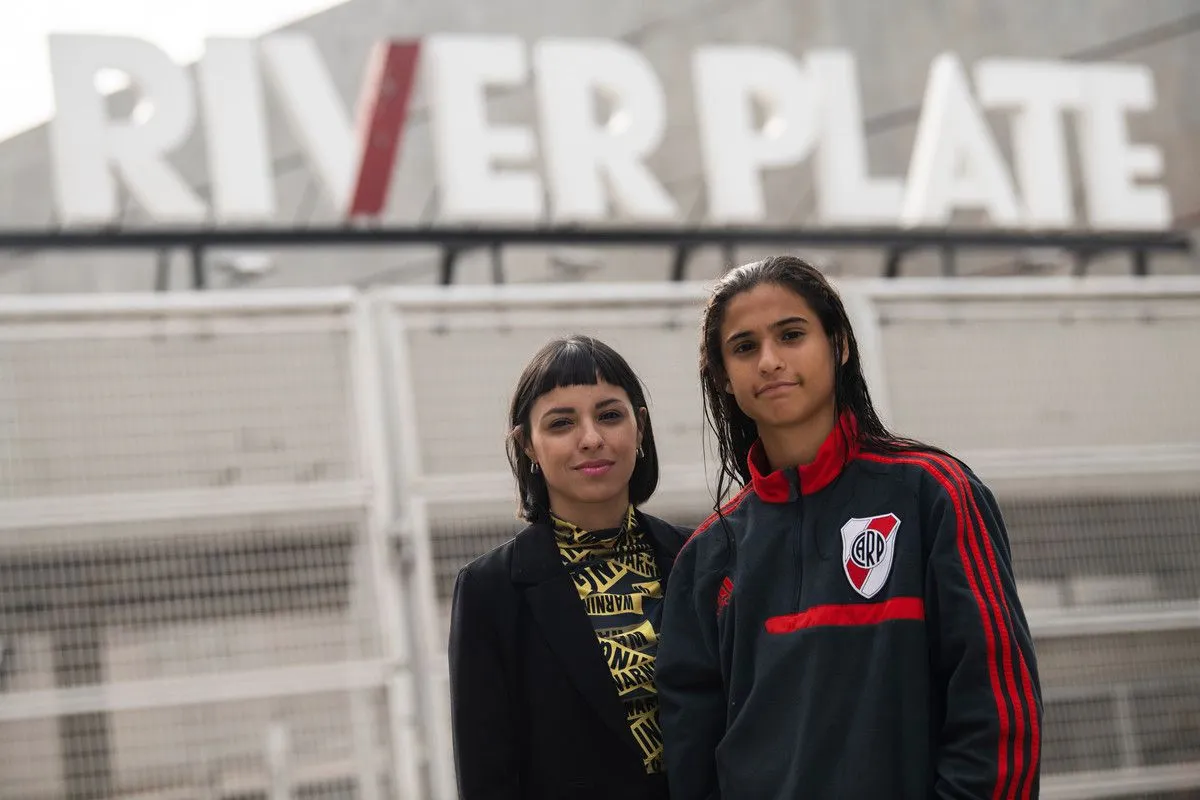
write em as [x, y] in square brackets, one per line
[26, 96]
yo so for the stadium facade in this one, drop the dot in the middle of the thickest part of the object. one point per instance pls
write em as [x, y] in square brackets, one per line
[229, 521]
[894, 50]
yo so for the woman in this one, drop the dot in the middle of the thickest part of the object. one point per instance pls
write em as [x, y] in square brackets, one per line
[847, 624]
[554, 634]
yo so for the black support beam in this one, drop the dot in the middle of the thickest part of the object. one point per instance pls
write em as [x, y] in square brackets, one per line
[894, 243]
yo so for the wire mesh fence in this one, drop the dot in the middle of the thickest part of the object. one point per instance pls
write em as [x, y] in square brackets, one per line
[229, 530]
[188, 592]
[1072, 402]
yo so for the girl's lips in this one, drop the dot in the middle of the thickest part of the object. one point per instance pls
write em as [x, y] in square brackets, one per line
[778, 387]
[594, 469]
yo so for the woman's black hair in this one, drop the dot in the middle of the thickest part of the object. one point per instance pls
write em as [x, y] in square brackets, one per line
[575, 360]
[735, 431]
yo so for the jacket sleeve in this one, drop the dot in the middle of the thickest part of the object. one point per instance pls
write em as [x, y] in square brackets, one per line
[691, 691]
[983, 659]
[485, 733]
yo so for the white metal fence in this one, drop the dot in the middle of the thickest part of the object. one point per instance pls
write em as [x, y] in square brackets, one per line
[229, 523]
[195, 592]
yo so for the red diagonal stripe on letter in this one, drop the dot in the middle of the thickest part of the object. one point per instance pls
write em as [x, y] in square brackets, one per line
[383, 107]
[885, 525]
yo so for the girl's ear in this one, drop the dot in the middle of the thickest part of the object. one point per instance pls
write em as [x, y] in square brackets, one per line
[840, 344]
[721, 379]
[523, 443]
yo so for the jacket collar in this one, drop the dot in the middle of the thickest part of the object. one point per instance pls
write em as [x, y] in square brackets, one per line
[838, 449]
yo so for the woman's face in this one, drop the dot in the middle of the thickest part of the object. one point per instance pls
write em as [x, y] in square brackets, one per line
[777, 357]
[585, 440]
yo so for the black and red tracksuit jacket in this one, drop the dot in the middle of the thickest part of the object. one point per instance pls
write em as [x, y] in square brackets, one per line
[850, 629]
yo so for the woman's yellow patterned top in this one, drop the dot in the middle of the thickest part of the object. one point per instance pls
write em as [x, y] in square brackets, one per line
[618, 580]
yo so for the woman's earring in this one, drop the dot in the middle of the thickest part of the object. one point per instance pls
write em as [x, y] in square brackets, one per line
[534, 468]
[640, 452]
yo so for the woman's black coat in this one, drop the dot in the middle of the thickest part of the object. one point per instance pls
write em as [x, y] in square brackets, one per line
[536, 713]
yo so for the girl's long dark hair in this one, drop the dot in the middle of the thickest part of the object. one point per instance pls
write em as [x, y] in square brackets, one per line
[735, 432]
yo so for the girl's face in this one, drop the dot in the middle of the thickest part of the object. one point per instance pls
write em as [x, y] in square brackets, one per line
[777, 358]
[585, 441]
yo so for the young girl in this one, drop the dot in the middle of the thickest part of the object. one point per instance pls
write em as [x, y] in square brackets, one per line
[847, 625]
[554, 634]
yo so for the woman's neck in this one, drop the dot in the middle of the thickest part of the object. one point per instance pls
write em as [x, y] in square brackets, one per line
[798, 444]
[592, 516]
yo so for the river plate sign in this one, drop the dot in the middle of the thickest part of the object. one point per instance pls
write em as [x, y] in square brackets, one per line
[755, 109]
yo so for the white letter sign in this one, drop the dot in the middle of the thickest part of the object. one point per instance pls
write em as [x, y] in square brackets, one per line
[467, 148]
[728, 82]
[955, 161]
[1111, 163]
[601, 120]
[1041, 92]
[845, 192]
[239, 165]
[88, 147]
[583, 155]
[315, 110]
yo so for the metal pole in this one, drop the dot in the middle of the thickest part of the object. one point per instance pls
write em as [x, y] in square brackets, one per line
[1141, 262]
[416, 578]
[891, 266]
[446, 271]
[162, 272]
[949, 261]
[277, 749]
[199, 275]
[683, 254]
[497, 263]
[1083, 257]
[375, 458]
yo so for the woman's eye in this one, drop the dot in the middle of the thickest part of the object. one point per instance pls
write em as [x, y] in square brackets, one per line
[611, 416]
[792, 335]
[743, 347]
[559, 423]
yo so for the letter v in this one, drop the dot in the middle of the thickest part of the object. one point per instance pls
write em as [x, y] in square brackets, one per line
[355, 165]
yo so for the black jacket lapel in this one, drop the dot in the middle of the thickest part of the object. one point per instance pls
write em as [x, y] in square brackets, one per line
[554, 604]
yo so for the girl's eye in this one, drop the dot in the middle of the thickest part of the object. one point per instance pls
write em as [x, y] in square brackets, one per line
[611, 416]
[561, 422]
[743, 347]
[793, 334]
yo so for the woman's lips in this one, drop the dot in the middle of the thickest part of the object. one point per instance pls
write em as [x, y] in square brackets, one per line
[594, 468]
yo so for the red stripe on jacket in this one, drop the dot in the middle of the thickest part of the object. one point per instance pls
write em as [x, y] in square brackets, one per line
[993, 575]
[961, 496]
[733, 503]
[898, 608]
